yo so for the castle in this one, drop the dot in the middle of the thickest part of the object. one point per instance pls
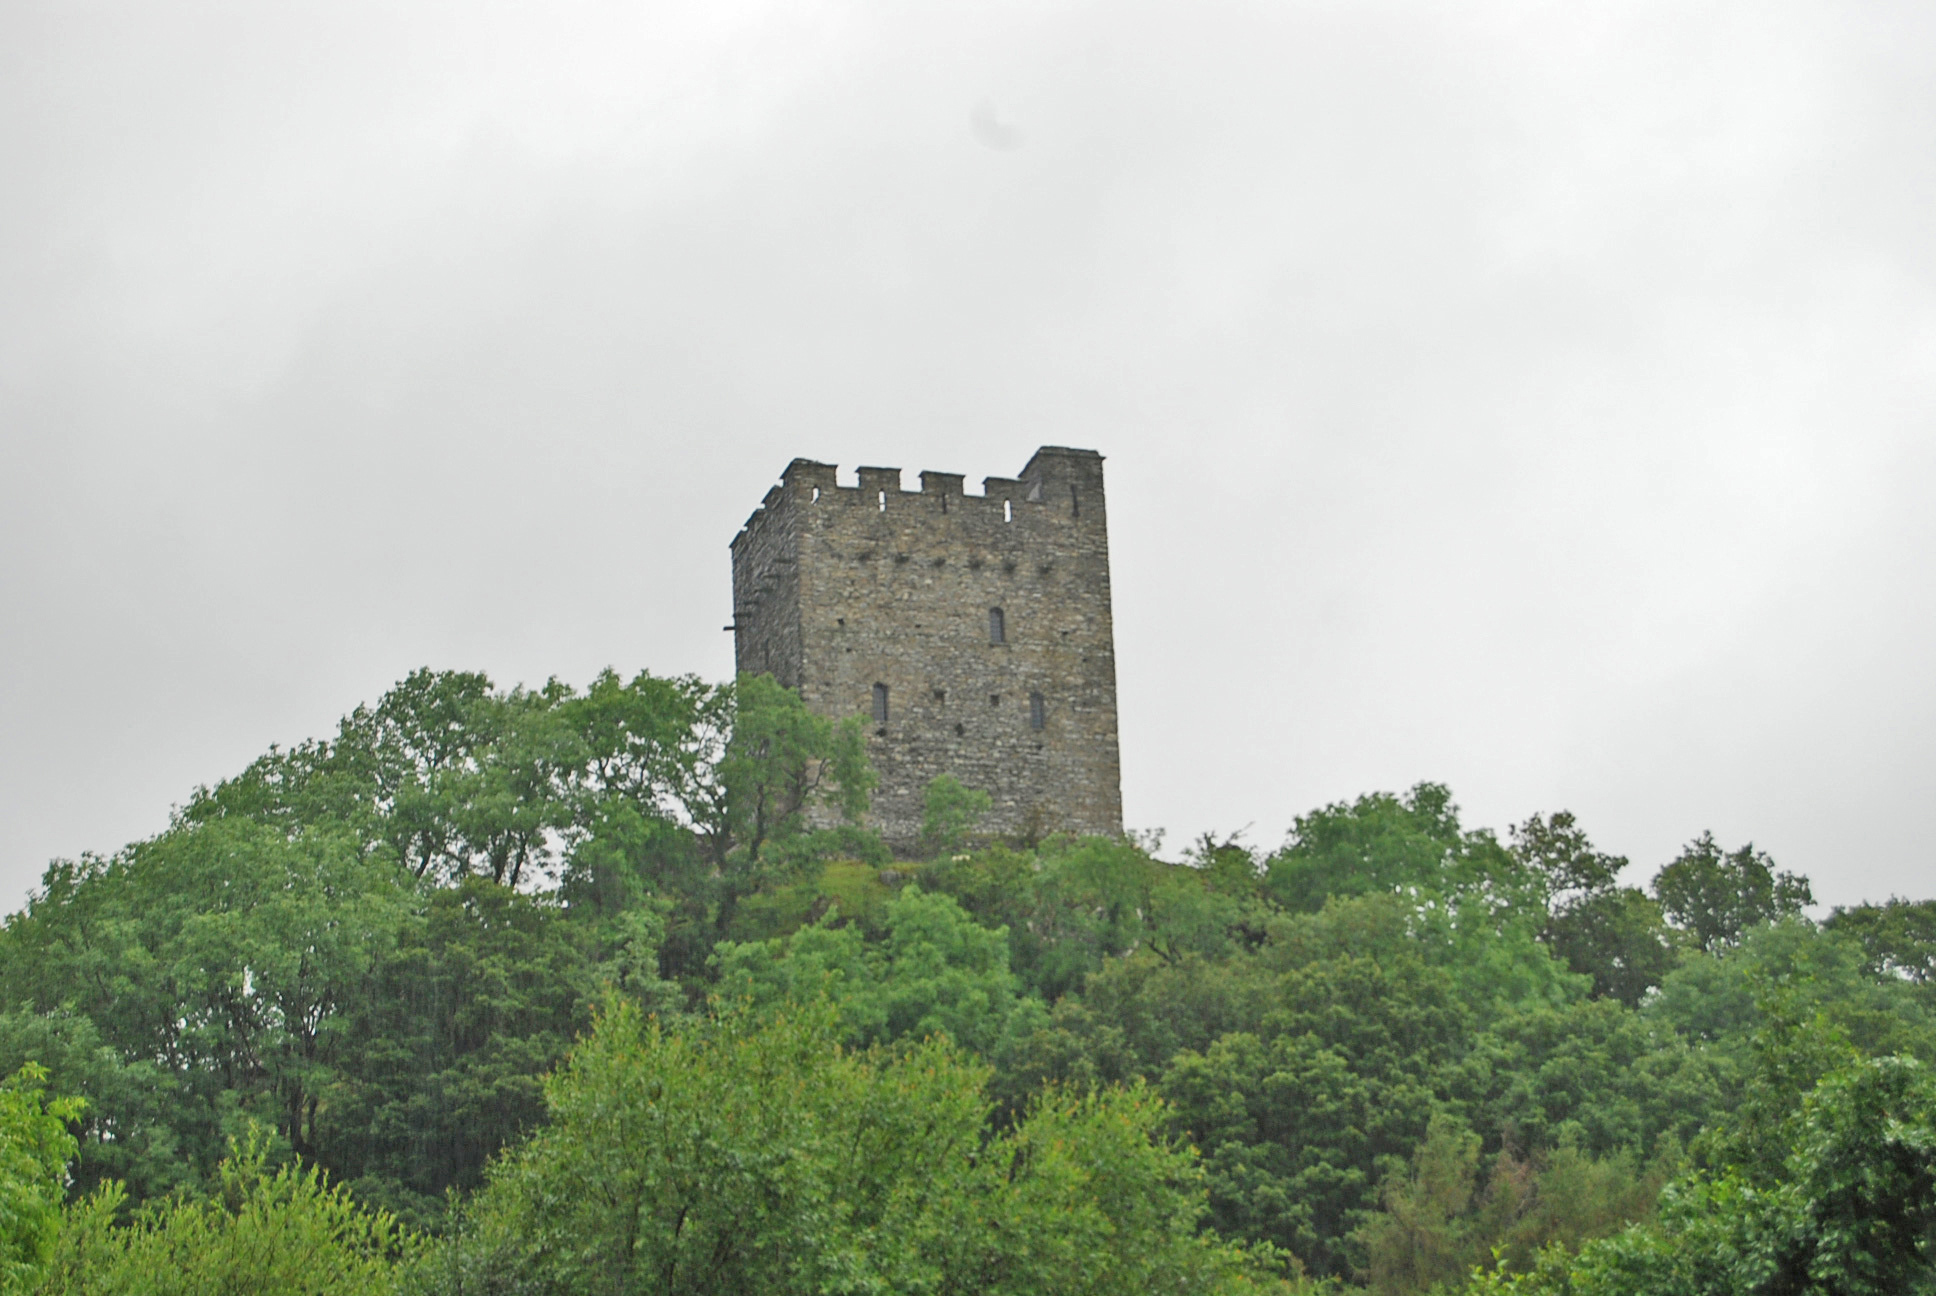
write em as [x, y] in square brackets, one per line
[973, 631]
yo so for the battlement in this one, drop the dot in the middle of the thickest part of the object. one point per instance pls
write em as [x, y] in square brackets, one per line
[974, 630]
[1057, 483]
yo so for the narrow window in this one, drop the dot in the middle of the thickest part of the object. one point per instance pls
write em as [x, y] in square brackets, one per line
[816, 494]
[997, 629]
[1008, 511]
[941, 695]
[1038, 711]
[994, 699]
[1075, 505]
[883, 499]
[880, 704]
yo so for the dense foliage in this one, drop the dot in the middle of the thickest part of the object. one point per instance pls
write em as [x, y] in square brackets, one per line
[751, 1153]
[608, 990]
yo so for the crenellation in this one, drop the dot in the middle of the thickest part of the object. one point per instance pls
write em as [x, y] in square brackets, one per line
[945, 485]
[880, 482]
[1001, 488]
[839, 589]
[807, 474]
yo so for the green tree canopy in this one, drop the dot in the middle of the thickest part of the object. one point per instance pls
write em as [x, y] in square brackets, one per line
[1852, 1214]
[277, 1231]
[949, 812]
[937, 973]
[1402, 1046]
[1616, 935]
[1899, 937]
[754, 1153]
[1717, 896]
[35, 1148]
[1383, 843]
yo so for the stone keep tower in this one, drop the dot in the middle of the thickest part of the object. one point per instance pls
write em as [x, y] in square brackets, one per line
[973, 631]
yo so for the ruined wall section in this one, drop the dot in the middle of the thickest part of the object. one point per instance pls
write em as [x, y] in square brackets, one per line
[839, 589]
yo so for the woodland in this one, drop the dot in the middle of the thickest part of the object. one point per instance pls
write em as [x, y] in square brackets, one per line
[573, 991]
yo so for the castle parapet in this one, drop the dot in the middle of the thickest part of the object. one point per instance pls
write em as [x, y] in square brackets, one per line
[1002, 487]
[877, 481]
[1062, 481]
[806, 474]
[1066, 477]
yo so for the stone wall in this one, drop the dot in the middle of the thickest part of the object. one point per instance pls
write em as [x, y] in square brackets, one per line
[839, 589]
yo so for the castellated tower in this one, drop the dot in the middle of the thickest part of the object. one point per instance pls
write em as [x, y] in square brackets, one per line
[973, 631]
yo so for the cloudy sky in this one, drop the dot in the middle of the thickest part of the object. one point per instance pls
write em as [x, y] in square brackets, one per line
[1534, 397]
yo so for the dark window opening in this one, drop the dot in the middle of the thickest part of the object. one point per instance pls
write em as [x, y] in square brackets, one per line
[997, 626]
[960, 730]
[941, 695]
[1075, 504]
[994, 699]
[880, 704]
[1038, 711]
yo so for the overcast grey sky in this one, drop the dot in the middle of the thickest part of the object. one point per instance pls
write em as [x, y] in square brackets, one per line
[1535, 397]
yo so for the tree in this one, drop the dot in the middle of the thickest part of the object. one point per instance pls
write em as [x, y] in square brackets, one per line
[414, 758]
[1073, 903]
[1448, 1211]
[750, 1152]
[1379, 842]
[1423, 1236]
[273, 1230]
[358, 944]
[1854, 1213]
[123, 1128]
[1899, 937]
[221, 959]
[1292, 1138]
[1620, 938]
[1792, 969]
[937, 973]
[1556, 848]
[1593, 1075]
[1299, 1111]
[449, 777]
[1616, 935]
[223, 973]
[949, 812]
[1861, 1213]
[35, 1148]
[1229, 865]
[643, 739]
[769, 765]
[1716, 896]
[441, 1064]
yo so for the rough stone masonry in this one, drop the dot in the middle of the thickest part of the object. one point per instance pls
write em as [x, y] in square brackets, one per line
[972, 631]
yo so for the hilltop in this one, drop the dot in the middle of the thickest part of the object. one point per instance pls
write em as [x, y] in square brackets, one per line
[477, 953]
